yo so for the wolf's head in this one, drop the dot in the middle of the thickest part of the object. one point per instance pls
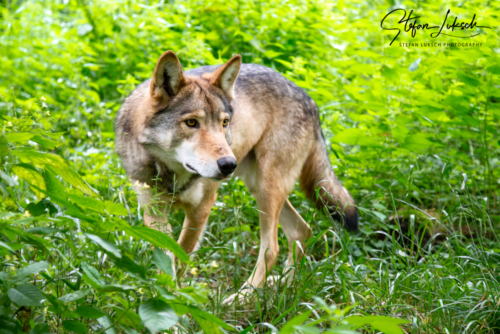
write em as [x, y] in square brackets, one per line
[189, 123]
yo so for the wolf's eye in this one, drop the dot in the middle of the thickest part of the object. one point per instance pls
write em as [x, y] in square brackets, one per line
[191, 123]
[225, 122]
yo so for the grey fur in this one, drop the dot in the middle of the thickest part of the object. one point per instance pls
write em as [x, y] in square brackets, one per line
[291, 113]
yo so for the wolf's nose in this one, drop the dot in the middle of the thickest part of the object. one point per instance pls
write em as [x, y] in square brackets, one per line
[227, 165]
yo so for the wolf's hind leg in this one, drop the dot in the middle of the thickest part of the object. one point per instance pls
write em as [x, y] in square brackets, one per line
[270, 191]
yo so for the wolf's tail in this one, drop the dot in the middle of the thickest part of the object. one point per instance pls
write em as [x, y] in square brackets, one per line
[317, 174]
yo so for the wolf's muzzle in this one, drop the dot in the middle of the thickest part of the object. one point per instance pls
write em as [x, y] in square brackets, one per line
[227, 165]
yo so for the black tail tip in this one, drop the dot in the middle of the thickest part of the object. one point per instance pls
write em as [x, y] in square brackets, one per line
[349, 217]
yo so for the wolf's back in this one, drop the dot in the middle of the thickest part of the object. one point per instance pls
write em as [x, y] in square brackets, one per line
[317, 178]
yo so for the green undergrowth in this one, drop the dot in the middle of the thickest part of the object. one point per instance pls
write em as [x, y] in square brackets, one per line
[412, 133]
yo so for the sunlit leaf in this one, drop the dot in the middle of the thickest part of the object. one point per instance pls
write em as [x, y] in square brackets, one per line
[31, 175]
[19, 137]
[116, 209]
[417, 142]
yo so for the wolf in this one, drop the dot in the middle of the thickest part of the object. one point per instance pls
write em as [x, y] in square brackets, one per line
[182, 133]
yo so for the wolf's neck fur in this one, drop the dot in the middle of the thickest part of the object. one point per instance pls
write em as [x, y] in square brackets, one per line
[166, 180]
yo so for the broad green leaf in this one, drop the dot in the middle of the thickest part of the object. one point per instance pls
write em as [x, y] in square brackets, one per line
[56, 306]
[384, 324]
[168, 296]
[71, 210]
[163, 261]
[468, 79]
[116, 209]
[36, 209]
[495, 69]
[355, 136]
[90, 282]
[25, 295]
[129, 266]
[116, 288]
[74, 296]
[195, 294]
[4, 146]
[42, 230]
[40, 328]
[315, 330]
[157, 315]
[46, 143]
[10, 246]
[92, 273]
[32, 268]
[159, 239]
[110, 247]
[128, 318]
[368, 141]
[349, 136]
[285, 63]
[72, 178]
[55, 135]
[105, 322]
[53, 184]
[232, 229]
[164, 279]
[75, 326]
[19, 137]
[207, 326]
[40, 159]
[128, 330]
[31, 175]
[289, 328]
[89, 312]
[211, 322]
[87, 202]
[271, 53]
[56, 165]
[417, 142]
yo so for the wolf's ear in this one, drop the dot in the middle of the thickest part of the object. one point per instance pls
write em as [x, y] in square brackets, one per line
[168, 77]
[225, 76]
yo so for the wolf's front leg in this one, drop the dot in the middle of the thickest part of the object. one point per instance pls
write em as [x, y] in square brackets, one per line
[194, 222]
[160, 223]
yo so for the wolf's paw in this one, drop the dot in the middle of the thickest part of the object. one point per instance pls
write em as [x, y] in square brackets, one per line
[280, 280]
[275, 281]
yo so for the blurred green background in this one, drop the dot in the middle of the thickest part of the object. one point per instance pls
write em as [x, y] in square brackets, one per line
[413, 133]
